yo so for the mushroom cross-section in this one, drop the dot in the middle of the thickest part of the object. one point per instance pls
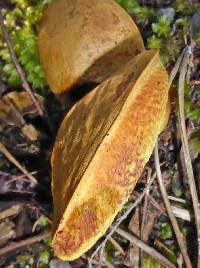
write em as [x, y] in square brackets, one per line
[101, 149]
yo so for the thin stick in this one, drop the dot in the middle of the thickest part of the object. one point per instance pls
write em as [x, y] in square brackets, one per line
[179, 236]
[12, 159]
[119, 221]
[186, 152]
[149, 250]
[18, 67]
[23, 243]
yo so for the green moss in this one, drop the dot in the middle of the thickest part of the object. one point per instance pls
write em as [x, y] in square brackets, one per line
[26, 259]
[166, 231]
[42, 221]
[21, 23]
[141, 14]
[149, 262]
[44, 257]
[162, 27]
[184, 7]
[154, 43]
[197, 39]
[191, 111]
[196, 143]
[163, 36]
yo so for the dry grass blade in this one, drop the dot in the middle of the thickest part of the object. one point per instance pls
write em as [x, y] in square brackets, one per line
[18, 67]
[179, 236]
[12, 159]
[119, 221]
[176, 68]
[186, 152]
[149, 250]
[144, 209]
[144, 214]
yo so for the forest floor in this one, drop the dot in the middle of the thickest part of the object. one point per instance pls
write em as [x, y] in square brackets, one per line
[148, 235]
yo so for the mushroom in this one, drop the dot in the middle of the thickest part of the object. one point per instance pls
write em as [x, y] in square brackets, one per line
[84, 42]
[101, 149]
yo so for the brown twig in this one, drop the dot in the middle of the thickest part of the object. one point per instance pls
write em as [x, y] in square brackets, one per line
[157, 205]
[144, 215]
[23, 243]
[179, 236]
[149, 250]
[12, 159]
[18, 67]
[119, 221]
[186, 151]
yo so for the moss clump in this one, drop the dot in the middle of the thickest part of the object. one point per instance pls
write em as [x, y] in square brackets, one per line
[164, 33]
[21, 22]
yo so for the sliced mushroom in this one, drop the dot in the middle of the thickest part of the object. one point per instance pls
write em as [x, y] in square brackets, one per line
[101, 149]
[83, 42]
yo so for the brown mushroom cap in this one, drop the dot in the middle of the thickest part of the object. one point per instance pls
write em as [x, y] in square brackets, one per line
[101, 149]
[85, 41]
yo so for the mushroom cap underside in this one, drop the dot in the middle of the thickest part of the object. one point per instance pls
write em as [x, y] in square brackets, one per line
[101, 149]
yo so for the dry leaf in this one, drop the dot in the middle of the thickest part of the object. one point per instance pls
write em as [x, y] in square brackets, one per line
[13, 107]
